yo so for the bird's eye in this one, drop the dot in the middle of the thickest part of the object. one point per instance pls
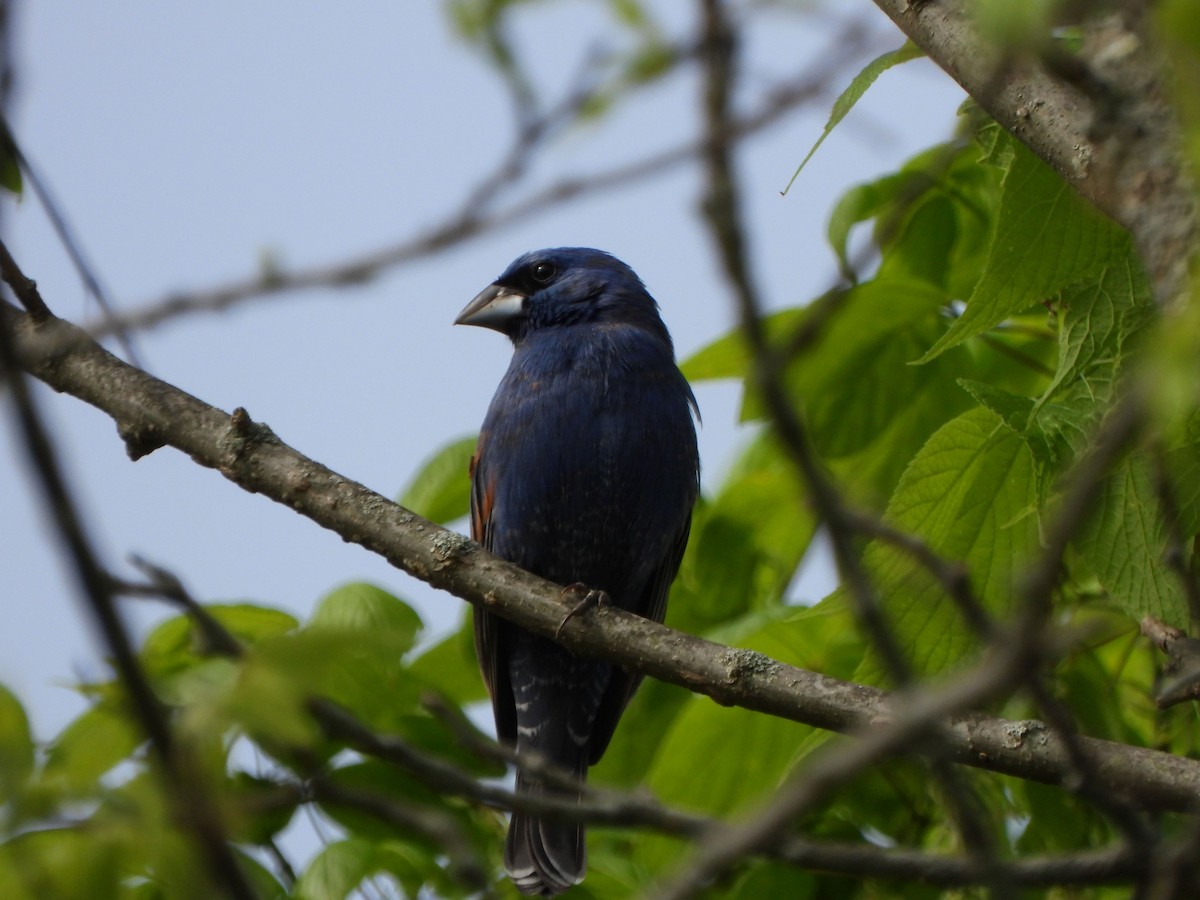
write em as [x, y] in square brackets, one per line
[543, 272]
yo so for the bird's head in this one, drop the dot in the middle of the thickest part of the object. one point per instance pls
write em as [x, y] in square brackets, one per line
[562, 287]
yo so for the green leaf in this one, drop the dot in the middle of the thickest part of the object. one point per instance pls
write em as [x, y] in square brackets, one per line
[62, 863]
[342, 866]
[852, 94]
[1047, 238]
[274, 682]
[1124, 542]
[337, 870]
[393, 785]
[653, 59]
[996, 147]
[175, 645]
[361, 670]
[728, 356]
[1013, 409]
[450, 666]
[923, 248]
[369, 609]
[761, 878]
[390, 784]
[650, 715]
[862, 202]
[260, 809]
[249, 622]
[720, 576]
[199, 689]
[630, 13]
[16, 745]
[91, 745]
[1100, 324]
[1183, 467]
[971, 495]
[265, 885]
[869, 476]
[933, 219]
[762, 498]
[351, 651]
[417, 872]
[856, 381]
[1057, 821]
[441, 490]
[746, 541]
[745, 754]
[432, 736]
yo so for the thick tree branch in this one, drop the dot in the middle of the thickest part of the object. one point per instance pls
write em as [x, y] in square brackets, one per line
[255, 459]
[1102, 122]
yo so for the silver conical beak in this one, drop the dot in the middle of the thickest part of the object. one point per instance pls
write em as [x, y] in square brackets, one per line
[493, 307]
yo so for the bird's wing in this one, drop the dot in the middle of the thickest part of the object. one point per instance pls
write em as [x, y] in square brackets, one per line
[489, 644]
[651, 605]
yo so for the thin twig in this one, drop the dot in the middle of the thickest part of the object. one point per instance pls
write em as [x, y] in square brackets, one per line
[287, 872]
[166, 585]
[25, 289]
[470, 220]
[72, 244]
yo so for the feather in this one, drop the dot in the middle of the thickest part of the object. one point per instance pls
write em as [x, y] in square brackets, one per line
[586, 472]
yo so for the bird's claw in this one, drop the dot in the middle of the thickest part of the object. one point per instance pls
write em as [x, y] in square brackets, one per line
[591, 599]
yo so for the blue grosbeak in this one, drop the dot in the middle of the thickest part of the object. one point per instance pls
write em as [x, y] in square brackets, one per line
[586, 473]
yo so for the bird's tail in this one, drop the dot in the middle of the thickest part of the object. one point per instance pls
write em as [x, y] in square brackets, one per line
[544, 858]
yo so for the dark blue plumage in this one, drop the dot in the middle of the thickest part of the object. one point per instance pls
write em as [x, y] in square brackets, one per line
[586, 473]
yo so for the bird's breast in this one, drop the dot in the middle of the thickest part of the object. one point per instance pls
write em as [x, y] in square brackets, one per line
[592, 452]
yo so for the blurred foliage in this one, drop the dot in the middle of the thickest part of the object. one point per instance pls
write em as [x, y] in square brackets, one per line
[950, 385]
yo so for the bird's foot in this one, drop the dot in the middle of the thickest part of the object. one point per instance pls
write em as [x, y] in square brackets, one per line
[591, 599]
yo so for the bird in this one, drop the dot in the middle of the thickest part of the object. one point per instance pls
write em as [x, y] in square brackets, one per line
[585, 473]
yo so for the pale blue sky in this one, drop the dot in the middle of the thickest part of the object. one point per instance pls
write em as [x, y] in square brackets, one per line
[185, 140]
